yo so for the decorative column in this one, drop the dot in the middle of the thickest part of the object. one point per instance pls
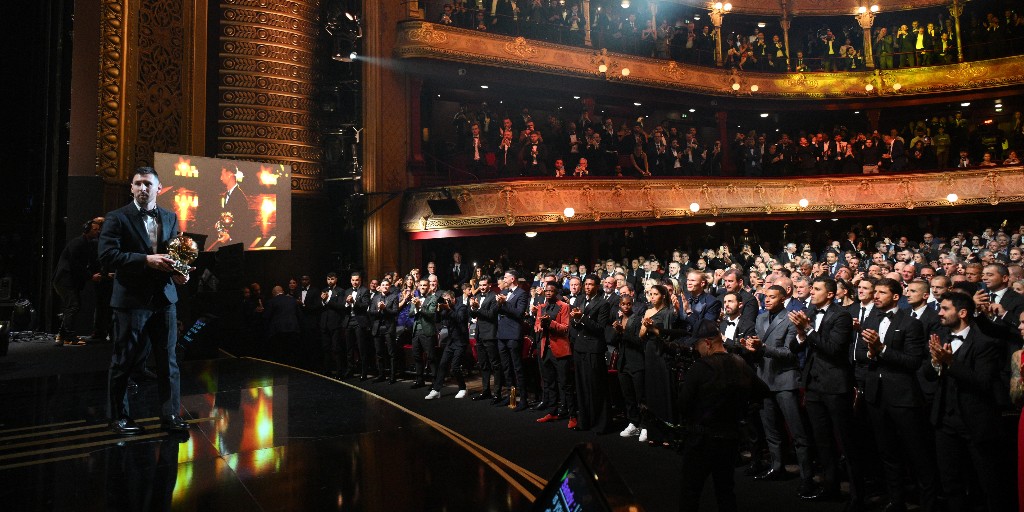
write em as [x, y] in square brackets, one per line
[785, 24]
[956, 10]
[716, 20]
[873, 116]
[866, 19]
[586, 21]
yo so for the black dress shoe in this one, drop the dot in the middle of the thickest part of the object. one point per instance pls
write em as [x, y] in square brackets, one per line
[125, 427]
[483, 396]
[772, 474]
[811, 491]
[173, 422]
[417, 385]
[499, 400]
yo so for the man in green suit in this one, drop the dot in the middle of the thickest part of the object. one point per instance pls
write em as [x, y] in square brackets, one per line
[424, 330]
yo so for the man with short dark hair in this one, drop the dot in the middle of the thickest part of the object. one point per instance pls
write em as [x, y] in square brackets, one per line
[511, 308]
[552, 328]
[484, 308]
[423, 310]
[454, 314]
[355, 325]
[586, 332]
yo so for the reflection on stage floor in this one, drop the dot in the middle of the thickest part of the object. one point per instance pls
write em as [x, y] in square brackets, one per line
[263, 437]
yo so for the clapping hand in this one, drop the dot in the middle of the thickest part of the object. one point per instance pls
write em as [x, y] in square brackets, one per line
[576, 313]
[501, 298]
[752, 343]
[873, 341]
[942, 353]
[800, 320]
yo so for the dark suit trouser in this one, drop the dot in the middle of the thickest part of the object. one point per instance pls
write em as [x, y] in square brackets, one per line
[632, 384]
[702, 457]
[512, 363]
[451, 358]
[357, 339]
[135, 331]
[490, 363]
[832, 418]
[311, 344]
[559, 391]
[103, 317]
[386, 347]
[330, 344]
[71, 303]
[592, 391]
[898, 433]
[423, 345]
[956, 452]
[786, 405]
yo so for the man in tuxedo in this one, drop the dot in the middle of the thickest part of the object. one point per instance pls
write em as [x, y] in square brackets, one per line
[788, 254]
[311, 306]
[484, 308]
[587, 336]
[133, 243]
[734, 327]
[234, 201]
[511, 309]
[423, 311]
[697, 304]
[383, 312]
[454, 314]
[647, 273]
[552, 328]
[964, 363]
[824, 331]
[732, 282]
[997, 291]
[354, 304]
[284, 323]
[895, 350]
[330, 326]
[460, 272]
[895, 153]
[772, 351]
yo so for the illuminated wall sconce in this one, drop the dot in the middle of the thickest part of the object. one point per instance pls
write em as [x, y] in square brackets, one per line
[952, 198]
[694, 207]
[803, 203]
[569, 212]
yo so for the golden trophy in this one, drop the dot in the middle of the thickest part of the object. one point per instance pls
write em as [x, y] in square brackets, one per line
[183, 251]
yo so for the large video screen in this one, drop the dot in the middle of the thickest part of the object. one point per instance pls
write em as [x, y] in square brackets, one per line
[229, 201]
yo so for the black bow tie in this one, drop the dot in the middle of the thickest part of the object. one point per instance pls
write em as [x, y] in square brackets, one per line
[730, 324]
[889, 316]
[148, 213]
[819, 312]
[956, 337]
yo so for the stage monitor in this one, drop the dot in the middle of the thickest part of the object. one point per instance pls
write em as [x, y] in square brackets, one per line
[228, 201]
[586, 482]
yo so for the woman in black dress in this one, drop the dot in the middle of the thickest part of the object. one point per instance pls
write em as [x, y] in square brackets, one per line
[656, 329]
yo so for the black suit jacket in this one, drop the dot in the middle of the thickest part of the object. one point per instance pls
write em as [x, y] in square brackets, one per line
[587, 335]
[630, 346]
[486, 317]
[891, 377]
[457, 279]
[283, 315]
[383, 321]
[357, 310]
[971, 381]
[456, 320]
[333, 308]
[827, 368]
[312, 304]
[744, 328]
[123, 246]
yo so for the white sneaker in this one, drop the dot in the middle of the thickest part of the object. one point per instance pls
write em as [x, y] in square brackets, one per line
[461, 394]
[433, 394]
[630, 431]
[643, 435]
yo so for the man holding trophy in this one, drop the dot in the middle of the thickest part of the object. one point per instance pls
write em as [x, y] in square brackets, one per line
[141, 244]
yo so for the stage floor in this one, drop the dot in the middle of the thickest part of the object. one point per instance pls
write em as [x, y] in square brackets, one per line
[263, 437]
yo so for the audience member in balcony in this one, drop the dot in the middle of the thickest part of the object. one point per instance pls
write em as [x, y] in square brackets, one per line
[776, 57]
[530, 129]
[533, 156]
[945, 49]
[828, 51]
[573, 25]
[463, 15]
[751, 158]
[519, 122]
[447, 16]
[476, 149]
[559, 168]
[503, 15]
[630, 32]
[660, 160]
[923, 46]
[805, 157]
[853, 60]
[800, 65]
[638, 160]
[905, 43]
[711, 160]
[506, 157]
[648, 39]
[480, 24]
[895, 153]
[964, 162]
[1012, 159]
[942, 142]
[884, 48]
[870, 156]
[986, 160]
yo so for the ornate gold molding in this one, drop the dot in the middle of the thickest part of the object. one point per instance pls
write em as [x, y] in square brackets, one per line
[812, 7]
[459, 45]
[112, 76]
[539, 203]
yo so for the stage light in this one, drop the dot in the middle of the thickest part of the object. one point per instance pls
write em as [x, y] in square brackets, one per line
[636, 103]
[965, 104]
[484, 87]
[602, 68]
[761, 24]
[569, 212]
[625, 71]
[735, 87]
[804, 202]
[754, 88]
[869, 87]
[817, 220]
[764, 114]
[696, 17]
[952, 198]
[874, 8]
[694, 207]
[897, 86]
[692, 110]
[856, 111]
[575, 97]
[835, 220]
[709, 224]
[999, 105]
[531, 234]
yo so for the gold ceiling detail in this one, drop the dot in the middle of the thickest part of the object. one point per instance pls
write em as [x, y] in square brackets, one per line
[539, 203]
[424, 40]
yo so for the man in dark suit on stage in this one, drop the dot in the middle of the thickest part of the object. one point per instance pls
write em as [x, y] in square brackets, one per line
[772, 351]
[483, 308]
[330, 326]
[355, 324]
[311, 307]
[511, 309]
[965, 363]
[383, 323]
[587, 335]
[284, 323]
[552, 328]
[424, 331]
[133, 243]
[454, 315]
[824, 331]
[895, 351]
[459, 273]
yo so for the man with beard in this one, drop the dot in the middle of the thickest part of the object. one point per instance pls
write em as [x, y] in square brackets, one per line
[552, 326]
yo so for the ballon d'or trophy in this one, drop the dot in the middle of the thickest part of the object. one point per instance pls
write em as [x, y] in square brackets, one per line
[183, 251]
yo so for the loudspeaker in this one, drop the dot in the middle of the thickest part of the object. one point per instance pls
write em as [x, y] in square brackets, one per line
[444, 207]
